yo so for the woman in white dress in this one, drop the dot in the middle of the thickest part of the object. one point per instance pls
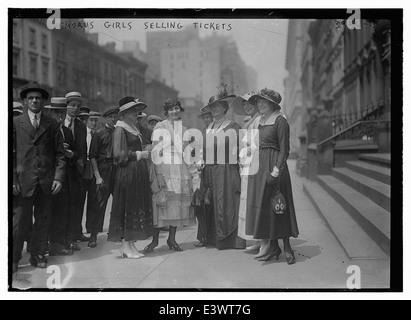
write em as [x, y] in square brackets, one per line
[248, 163]
[171, 180]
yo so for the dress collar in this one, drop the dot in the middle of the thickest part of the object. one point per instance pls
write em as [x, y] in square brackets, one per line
[132, 129]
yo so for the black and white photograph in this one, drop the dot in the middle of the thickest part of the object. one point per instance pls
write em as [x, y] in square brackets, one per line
[204, 149]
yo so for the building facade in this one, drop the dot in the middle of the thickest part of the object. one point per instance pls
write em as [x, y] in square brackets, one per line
[69, 59]
[33, 54]
[195, 66]
[157, 93]
[295, 102]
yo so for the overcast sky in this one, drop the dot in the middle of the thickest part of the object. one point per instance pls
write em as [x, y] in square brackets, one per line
[262, 43]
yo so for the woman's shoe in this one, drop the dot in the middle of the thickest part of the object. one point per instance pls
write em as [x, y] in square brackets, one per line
[128, 254]
[174, 246]
[253, 248]
[150, 248]
[290, 258]
[271, 255]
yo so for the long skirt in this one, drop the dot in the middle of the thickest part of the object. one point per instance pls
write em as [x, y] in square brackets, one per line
[132, 214]
[262, 223]
[225, 184]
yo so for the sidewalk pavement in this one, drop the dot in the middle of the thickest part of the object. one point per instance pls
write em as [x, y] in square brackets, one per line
[321, 262]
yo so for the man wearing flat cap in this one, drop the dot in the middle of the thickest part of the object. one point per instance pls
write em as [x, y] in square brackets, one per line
[101, 157]
[79, 132]
[38, 173]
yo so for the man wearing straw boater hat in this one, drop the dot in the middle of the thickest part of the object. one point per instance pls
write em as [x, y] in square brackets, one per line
[17, 109]
[76, 205]
[101, 157]
[38, 173]
[58, 226]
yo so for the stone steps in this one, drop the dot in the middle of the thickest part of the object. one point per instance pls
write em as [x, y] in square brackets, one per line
[372, 218]
[379, 173]
[375, 190]
[353, 239]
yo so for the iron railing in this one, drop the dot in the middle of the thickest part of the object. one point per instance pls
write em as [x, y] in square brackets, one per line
[342, 121]
[361, 130]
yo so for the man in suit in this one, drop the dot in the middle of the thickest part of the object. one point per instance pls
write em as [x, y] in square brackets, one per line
[38, 174]
[76, 204]
[101, 157]
[88, 177]
[58, 227]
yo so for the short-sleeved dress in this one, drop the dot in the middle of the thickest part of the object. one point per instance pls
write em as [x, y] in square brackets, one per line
[132, 214]
[262, 223]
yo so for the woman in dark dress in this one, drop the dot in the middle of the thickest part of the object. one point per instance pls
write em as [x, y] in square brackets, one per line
[274, 147]
[222, 174]
[132, 215]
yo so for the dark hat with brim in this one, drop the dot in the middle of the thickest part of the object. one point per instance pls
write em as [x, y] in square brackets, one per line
[84, 109]
[110, 110]
[153, 117]
[75, 96]
[17, 107]
[238, 103]
[57, 103]
[269, 95]
[33, 87]
[130, 102]
[221, 96]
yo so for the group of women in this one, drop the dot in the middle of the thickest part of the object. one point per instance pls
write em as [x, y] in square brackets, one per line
[234, 201]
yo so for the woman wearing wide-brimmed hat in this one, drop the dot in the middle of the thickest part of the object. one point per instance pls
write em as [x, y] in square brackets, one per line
[171, 180]
[222, 174]
[263, 222]
[248, 161]
[132, 215]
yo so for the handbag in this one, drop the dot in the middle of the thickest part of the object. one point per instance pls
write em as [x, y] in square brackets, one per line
[278, 203]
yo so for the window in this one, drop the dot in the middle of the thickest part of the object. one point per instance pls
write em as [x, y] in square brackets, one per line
[60, 49]
[16, 32]
[45, 71]
[32, 38]
[33, 68]
[16, 63]
[106, 69]
[61, 75]
[44, 43]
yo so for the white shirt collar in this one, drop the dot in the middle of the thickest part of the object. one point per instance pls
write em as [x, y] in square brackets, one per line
[31, 115]
[88, 130]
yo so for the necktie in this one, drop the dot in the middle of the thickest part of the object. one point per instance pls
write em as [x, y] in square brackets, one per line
[72, 127]
[35, 122]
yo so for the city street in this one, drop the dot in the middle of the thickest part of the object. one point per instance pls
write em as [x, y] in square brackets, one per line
[321, 262]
